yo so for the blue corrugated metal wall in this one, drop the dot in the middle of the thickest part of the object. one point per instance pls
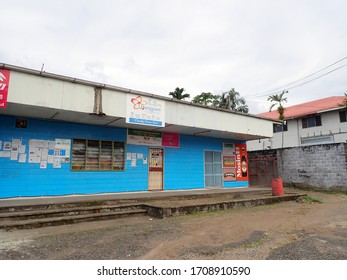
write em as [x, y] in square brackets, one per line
[184, 166]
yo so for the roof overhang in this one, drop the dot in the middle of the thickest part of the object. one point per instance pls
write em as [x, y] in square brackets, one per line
[33, 94]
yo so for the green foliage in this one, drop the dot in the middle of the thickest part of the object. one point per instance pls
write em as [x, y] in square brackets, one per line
[205, 98]
[277, 100]
[230, 100]
[178, 94]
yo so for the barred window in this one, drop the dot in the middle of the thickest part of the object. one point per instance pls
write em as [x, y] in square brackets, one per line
[97, 155]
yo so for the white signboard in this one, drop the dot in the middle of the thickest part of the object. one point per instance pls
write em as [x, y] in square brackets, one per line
[141, 137]
[144, 110]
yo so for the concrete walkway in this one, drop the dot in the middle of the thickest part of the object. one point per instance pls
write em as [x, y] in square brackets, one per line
[43, 200]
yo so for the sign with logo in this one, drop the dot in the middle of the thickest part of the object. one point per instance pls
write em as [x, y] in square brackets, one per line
[144, 110]
[141, 137]
[152, 138]
[171, 140]
[235, 162]
[4, 82]
[241, 162]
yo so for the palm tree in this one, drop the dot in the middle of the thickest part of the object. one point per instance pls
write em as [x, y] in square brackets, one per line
[205, 98]
[277, 100]
[232, 100]
[178, 94]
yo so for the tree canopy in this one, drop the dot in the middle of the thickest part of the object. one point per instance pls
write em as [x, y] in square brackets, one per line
[230, 100]
[233, 101]
[278, 100]
[178, 94]
[205, 98]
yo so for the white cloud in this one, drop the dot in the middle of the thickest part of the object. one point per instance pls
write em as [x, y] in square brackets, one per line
[155, 46]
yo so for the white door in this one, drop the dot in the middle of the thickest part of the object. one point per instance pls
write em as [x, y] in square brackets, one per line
[213, 169]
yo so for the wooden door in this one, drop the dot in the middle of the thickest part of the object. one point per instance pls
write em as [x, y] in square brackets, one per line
[156, 169]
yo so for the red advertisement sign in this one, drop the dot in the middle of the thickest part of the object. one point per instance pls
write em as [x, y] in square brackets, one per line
[170, 140]
[241, 162]
[4, 82]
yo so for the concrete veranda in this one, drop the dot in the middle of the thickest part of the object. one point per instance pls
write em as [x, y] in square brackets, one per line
[46, 200]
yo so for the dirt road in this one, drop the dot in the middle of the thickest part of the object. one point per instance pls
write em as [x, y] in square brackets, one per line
[290, 230]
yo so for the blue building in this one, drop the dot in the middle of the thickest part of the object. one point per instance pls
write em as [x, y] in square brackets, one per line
[63, 136]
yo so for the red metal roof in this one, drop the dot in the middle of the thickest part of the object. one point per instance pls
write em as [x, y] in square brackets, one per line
[307, 108]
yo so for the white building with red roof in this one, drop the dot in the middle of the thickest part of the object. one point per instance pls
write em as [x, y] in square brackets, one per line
[321, 121]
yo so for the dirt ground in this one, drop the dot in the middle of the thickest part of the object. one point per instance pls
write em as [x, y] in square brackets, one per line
[290, 230]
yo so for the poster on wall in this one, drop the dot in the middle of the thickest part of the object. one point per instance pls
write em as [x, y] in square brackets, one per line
[228, 161]
[229, 174]
[153, 138]
[141, 137]
[144, 110]
[241, 162]
[171, 140]
[4, 83]
[228, 149]
[235, 162]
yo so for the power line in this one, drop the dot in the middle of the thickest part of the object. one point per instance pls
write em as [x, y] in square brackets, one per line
[310, 75]
[304, 83]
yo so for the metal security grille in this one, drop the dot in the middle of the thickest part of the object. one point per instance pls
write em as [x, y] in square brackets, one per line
[262, 171]
[213, 169]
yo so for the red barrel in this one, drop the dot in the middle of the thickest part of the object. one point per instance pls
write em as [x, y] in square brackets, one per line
[277, 186]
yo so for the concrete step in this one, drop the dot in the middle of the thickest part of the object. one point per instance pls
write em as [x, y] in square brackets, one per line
[51, 206]
[72, 211]
[70, 219]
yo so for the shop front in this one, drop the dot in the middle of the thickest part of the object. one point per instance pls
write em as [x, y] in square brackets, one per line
[63, 145]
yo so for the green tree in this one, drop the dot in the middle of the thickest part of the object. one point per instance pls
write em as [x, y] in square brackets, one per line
[178, 94]
[205, 98]
[233, 101]
[278, 100]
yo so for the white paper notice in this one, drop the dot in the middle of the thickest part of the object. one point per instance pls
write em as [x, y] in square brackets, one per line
[14, 155]
[5, 154]
[61, 144]
[128, 156]
[51, 145]
[43, 164]
[56, 162]
[21, 149]
[144, 160]
[50, 159]
[16, 143]
[133, 162]
[7, 146]
[133, 156]
[22, 158]
[0, 145]
[140, 156]
[44, 154]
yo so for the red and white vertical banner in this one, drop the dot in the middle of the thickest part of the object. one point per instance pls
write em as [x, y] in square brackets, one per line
[241, 162]
[4, 83]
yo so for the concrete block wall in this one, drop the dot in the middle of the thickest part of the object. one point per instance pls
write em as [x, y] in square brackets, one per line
[322, 166]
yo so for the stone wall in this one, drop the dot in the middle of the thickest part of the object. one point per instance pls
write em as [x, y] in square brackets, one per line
[322, 166]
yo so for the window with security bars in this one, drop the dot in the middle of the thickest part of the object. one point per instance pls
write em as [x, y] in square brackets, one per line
[97, 155]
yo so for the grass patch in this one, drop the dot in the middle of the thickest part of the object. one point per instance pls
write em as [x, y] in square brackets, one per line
[310, 199]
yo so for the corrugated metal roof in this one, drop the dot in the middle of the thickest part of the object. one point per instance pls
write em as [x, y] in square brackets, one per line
[308, 108]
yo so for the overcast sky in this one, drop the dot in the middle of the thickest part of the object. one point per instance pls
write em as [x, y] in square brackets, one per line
[203, 46]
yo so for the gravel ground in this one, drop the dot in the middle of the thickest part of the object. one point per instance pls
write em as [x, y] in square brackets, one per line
[290, 230]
